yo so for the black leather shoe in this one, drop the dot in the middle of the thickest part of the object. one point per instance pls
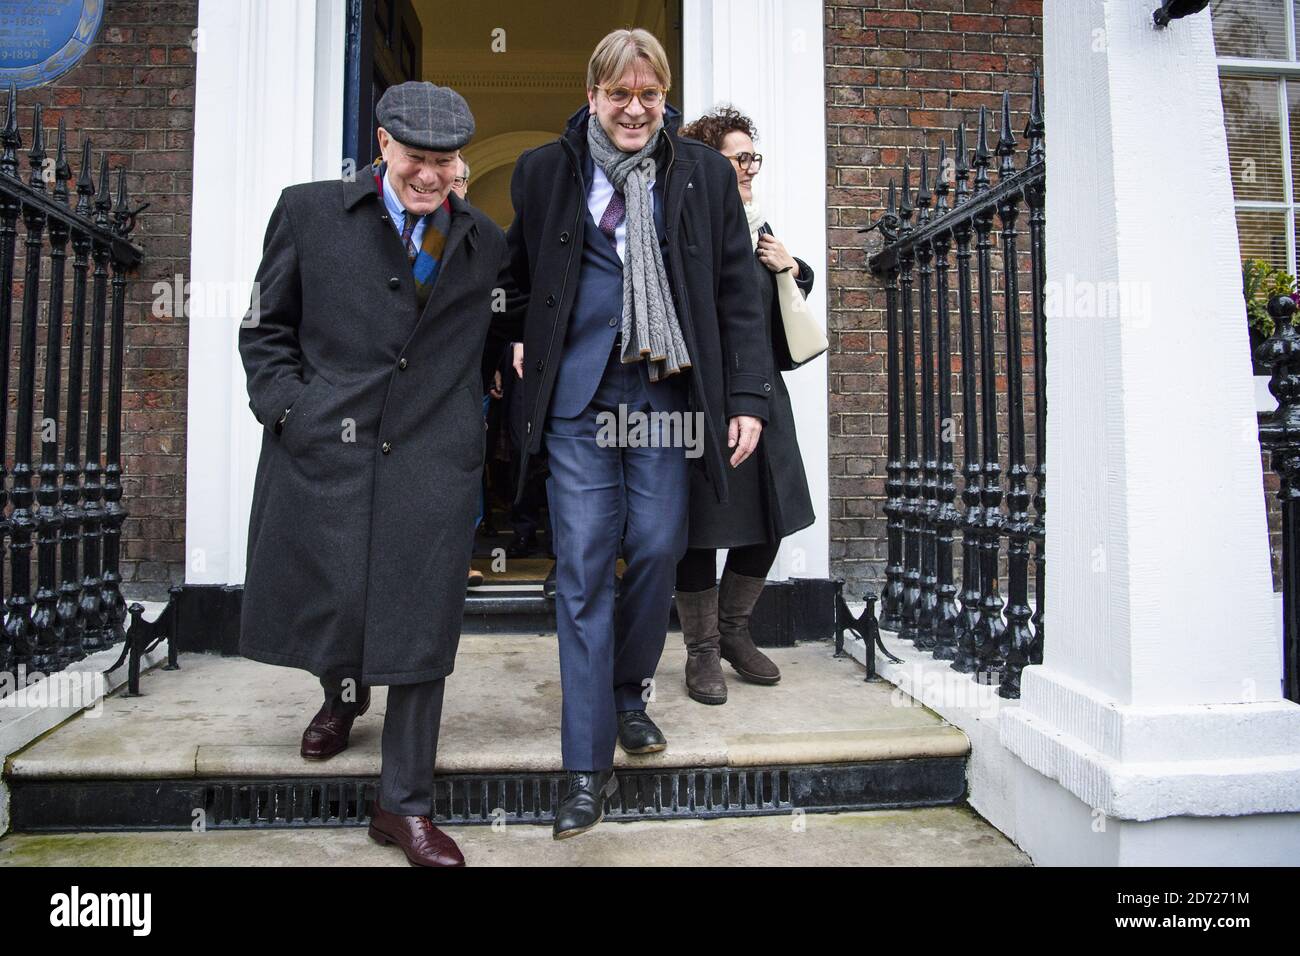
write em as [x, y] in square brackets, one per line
[584, 805]
[548, 586]
[637, 733]
[522, 546]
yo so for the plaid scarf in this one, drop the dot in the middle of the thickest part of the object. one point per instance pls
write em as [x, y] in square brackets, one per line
[428, 259]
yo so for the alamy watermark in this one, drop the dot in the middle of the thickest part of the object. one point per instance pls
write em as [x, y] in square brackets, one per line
[637, 429]
[81, 690]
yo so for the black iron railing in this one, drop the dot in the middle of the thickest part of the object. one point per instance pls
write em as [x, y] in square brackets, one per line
[1279, 432]
[73, 518]
[921, 600]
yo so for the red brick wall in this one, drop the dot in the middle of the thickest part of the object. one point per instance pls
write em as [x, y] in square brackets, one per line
[899, 74]
[133, 95]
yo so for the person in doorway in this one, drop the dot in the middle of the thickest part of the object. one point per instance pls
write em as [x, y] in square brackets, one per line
[632, 247]
[362, 352]
[769, 491]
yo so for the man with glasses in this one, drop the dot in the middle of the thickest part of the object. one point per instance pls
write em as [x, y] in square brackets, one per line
[633, 250]
[460, 185]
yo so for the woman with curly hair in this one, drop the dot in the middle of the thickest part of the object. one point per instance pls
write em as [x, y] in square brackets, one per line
[768, 491]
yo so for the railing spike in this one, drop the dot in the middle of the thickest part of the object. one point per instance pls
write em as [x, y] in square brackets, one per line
[103, 203]
[1006, 141]
[905, 208]
[62, 171]
[982, 155]
[85, 182]
[923, 190]
[941, 180]
[1035, 127]
[36, 155]
[121, 214]
[10, 139]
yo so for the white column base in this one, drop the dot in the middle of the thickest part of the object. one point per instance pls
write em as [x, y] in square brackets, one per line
[1063, 830]
[1145, 763]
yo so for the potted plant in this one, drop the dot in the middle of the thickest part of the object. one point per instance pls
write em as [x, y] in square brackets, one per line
[1260, 282]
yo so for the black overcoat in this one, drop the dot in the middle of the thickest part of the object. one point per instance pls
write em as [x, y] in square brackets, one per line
[769, 497]
[710, 267]
[363, 505]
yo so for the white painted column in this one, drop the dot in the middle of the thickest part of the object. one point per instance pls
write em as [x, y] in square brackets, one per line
[1154, 731]
[268, 113]
[764, 57]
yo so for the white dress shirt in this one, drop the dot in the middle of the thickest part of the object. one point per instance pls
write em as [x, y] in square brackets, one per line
[602, 191]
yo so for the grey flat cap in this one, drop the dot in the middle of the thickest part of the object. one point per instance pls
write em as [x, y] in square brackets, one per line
[425, 116]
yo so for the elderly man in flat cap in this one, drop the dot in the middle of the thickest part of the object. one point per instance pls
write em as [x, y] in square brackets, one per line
[363, 353]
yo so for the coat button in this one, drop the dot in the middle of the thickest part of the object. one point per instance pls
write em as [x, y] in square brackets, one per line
[550, 300]
[767, 387]
[528, 429]
[540, 363]
[386, 447]
[613, 322]
[401, 363]
[394, 283]
[564, 237]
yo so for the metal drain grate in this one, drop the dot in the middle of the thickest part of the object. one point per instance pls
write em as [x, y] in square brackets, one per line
[62, 804]
[512, 798]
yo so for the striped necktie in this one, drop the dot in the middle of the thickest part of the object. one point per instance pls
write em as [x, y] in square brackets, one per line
[408, 230]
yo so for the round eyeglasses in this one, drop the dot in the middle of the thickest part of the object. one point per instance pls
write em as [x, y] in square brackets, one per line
[620, 96]
[752, 161]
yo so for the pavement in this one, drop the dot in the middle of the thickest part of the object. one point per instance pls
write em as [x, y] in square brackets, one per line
[927, 836]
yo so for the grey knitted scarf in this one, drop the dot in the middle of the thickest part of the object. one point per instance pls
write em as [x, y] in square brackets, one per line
[650, 328]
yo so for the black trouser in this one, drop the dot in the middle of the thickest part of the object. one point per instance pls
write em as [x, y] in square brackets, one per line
[697, 571]
[409, 745]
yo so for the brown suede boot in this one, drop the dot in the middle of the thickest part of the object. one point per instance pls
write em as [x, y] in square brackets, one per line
[698, 612]
[737, 595]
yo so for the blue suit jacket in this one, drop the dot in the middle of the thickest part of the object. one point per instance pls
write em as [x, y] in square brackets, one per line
[597, 317]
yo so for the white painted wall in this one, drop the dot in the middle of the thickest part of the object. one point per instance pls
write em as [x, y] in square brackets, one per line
[268, 112]
[765, 58]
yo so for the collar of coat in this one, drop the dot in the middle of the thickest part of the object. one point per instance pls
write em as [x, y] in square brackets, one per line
[364, 185]
[463, 226]
[575, 130]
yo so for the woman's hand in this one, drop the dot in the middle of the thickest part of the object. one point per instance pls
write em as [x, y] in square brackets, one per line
[742, 435]
[772, 253]
[518, 362]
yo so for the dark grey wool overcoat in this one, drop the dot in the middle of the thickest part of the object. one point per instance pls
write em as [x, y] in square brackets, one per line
[364, 503]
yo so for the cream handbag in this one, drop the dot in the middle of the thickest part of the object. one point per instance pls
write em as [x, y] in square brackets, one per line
[803, 334]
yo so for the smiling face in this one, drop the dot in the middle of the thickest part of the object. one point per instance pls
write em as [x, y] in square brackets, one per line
[629, 127]
[738, 142]
[421, 177]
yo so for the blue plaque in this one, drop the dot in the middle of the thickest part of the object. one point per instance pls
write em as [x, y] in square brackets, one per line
[40, 40]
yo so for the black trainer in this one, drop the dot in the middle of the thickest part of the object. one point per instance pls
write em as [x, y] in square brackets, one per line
[637, 733]
[584, 805]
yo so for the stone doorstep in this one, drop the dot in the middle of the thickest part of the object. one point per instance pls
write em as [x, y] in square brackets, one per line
[199, 722]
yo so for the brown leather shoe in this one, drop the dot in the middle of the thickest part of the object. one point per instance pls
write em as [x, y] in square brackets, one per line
[422, 842]
[327, 734]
